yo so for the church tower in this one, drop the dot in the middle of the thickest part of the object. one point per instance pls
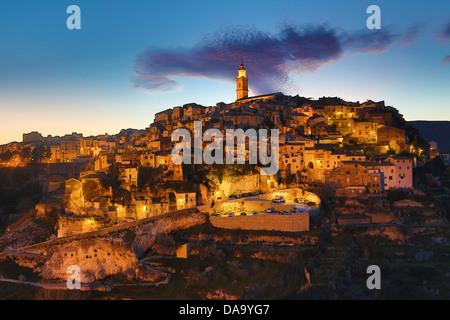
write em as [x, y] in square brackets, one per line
[242, 83]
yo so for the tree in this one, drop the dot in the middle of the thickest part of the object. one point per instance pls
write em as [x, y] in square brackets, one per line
[48, 152]
[38, 154]
[6, 156]
[25, 154]
[325, 191]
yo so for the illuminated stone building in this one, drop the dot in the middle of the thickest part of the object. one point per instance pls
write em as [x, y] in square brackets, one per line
[242, 83]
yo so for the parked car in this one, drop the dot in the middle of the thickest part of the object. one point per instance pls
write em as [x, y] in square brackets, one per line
[279, 199]
[270, 210]
[299, 200]
[255, 193]
[231, 214]
[243, 214]
[255, 213]
[232, 197]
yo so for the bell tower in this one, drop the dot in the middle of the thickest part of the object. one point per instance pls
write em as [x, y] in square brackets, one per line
[242, 83]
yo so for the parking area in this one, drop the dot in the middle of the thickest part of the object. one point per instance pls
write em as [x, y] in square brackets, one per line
[280, 202]
[277, 207]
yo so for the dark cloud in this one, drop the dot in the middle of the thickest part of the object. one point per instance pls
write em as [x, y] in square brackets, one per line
[444, 34]
[367, 41]
[270, 57]
[446, 60]
[376, 41]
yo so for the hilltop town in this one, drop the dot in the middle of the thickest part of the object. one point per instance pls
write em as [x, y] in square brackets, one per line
[116, 198]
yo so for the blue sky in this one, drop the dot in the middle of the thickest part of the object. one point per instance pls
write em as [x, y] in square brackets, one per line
[96, 80]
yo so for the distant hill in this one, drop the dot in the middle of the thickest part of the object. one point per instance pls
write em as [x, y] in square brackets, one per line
[438, 131]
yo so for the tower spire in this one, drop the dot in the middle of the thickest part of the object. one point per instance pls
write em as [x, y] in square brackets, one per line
[242, 82]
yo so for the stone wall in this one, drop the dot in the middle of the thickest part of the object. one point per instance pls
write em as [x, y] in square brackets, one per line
[345, 220]
[256, 238]
[287, 223]
[72, 225]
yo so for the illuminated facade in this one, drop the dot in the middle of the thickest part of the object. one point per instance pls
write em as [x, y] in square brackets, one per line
[242, 83]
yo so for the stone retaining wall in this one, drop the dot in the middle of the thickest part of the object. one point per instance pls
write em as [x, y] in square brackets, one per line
[288, 223]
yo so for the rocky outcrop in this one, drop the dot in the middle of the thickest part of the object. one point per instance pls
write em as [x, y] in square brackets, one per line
[146, 233]
[219, 294]
[393, 233]
[28, 233]
[112, 251]
[407, 203]
[97, 259]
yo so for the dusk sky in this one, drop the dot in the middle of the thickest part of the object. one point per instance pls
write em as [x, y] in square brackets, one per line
[134, 58]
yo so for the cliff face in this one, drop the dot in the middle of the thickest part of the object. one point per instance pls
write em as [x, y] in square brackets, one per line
[114, 252]
[96, 258]
[146, 234]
